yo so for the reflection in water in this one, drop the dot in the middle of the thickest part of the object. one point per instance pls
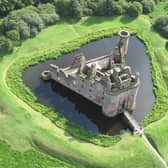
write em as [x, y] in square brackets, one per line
[81, 111]
[87, 110]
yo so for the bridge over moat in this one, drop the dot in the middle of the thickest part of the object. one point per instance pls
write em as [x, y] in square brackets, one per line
[136, 128]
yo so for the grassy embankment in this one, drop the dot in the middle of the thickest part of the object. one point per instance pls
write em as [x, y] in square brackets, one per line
[158, 131]
[32, 127]
[10, 158]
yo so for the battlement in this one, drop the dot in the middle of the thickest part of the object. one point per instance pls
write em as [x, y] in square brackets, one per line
[114, 77]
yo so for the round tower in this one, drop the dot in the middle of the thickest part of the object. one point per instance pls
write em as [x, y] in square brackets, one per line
[123, 44]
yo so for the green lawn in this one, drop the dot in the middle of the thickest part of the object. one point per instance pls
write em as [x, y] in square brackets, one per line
[23, 128]
[161, 9]
[10, 158]
[158, 132]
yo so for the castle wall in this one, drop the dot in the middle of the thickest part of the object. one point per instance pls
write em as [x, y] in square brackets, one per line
[89, 90]
[113, 104]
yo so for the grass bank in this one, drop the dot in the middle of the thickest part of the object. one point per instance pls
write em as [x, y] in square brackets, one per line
[14, 81]
[29, 159]
[33, 129]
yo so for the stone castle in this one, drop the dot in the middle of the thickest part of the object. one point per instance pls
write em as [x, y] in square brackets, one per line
[106, 81]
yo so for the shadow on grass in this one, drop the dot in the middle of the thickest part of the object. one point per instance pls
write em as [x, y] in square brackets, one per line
[126, 19]
[65, 154]
[152, 142]
[3, 54]
[68, 20]
[97, 20]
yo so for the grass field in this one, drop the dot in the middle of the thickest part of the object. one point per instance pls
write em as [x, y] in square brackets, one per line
[29, 159]
[25, 129]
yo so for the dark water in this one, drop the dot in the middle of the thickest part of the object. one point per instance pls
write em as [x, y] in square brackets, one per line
[81, 111]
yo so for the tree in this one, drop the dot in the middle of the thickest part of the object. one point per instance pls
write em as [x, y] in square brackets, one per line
[28, 2]
[135, 9]
[62, 7]
[30, 16]
[25, 21]
[24, 30]
[5, 45]
[124, 5]
[13, 35]
[161, 25]
[161, 22]
[108, 6]
[75, 10]
[166, 45]
[117, 9]
[93, 6]
[148, 6]
[101, 8]
[6, 6]
[48, 13]
[164, 31]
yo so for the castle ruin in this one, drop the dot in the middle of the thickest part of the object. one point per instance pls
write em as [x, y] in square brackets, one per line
[106, 81]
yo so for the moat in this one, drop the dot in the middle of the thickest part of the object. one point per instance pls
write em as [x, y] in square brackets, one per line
[81, 111]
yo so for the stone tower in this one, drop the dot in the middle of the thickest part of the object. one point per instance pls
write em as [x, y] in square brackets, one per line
[121, 49]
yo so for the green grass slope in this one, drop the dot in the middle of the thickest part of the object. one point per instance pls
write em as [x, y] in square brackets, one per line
[10, 158]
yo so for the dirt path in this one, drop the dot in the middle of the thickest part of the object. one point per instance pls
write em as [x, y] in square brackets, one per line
[74, 30]
[155, 151]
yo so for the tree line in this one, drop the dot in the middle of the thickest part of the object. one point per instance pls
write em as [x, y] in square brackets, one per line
[26, 18]
[81, 7]
[25, 23]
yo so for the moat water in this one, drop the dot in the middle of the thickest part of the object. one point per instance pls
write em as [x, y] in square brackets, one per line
[81, 111]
